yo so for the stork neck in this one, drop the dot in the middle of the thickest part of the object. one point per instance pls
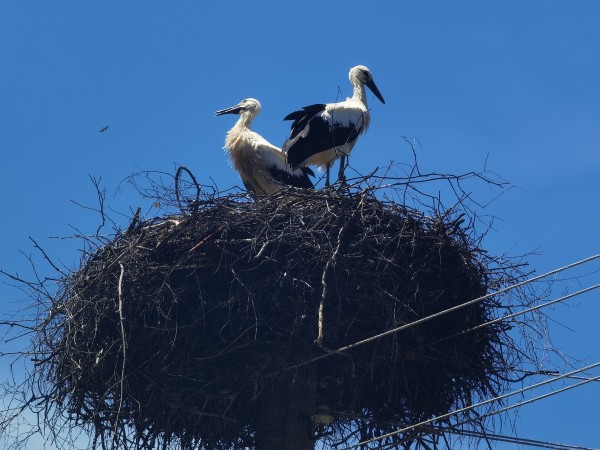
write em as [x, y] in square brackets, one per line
[359, 92]
[245, 120]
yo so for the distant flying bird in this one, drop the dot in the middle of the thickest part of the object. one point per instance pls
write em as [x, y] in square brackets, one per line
[323, 132]
[104, 128]
[262, 166]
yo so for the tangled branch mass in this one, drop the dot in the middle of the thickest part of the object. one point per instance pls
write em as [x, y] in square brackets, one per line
[194, 329]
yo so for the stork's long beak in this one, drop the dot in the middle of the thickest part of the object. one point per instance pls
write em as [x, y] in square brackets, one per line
[233, 110]
[371, 85]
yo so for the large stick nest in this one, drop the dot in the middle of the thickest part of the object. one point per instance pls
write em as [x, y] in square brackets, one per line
[178, 325]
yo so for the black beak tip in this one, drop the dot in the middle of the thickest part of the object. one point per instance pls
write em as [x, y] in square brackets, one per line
[232, 110]
[371, 85]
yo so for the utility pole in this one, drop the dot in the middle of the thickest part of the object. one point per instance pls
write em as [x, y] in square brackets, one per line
[284, 420]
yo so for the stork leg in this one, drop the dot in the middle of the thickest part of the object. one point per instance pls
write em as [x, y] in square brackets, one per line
[327, 175]
[341, 176]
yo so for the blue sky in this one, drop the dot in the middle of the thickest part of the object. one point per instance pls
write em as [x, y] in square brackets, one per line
[512, 83]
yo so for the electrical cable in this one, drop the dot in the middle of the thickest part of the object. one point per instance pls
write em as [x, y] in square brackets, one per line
[508, 316]
[520, 441]
[485, 402]
[431, 430]
[455, 308]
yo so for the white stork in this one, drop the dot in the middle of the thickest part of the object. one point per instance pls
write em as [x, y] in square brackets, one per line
[262, 166]
[322, 132]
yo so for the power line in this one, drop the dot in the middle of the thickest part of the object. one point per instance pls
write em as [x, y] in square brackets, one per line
[540, 397]
[492, 437]
[556, 377]
[526, 372]
[491, 413]
[517, 440]
[508, 316]
[525, 311]
[431, 430]
[470, 302]
[485, 402]
[457, 307]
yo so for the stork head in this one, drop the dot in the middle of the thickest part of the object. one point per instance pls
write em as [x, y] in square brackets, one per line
[249, 107]
[362, 75]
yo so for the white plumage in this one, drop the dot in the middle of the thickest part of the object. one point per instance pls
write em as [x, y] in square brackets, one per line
[262, 166]
[323, 132]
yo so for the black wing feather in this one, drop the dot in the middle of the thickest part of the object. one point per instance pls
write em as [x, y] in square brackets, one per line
[308, 171]
[249, 187]
[322, 136]
[287, 178]
[302, 117]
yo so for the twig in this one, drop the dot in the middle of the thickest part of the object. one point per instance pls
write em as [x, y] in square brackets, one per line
[177, 187]
[331, 262]
[124, 345]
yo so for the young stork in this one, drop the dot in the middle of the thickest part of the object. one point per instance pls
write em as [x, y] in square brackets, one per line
[262, 166]
[322, 132]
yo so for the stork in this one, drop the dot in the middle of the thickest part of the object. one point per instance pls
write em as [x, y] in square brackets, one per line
[262, 166]
[322, 132]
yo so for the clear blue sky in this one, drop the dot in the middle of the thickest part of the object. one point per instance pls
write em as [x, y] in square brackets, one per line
[513, 82]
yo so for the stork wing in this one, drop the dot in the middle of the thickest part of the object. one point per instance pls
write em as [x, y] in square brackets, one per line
[297, 178]
[317, 135]
[273, 161]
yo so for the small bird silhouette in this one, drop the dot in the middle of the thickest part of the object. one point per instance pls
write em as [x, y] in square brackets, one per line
[104, 128]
